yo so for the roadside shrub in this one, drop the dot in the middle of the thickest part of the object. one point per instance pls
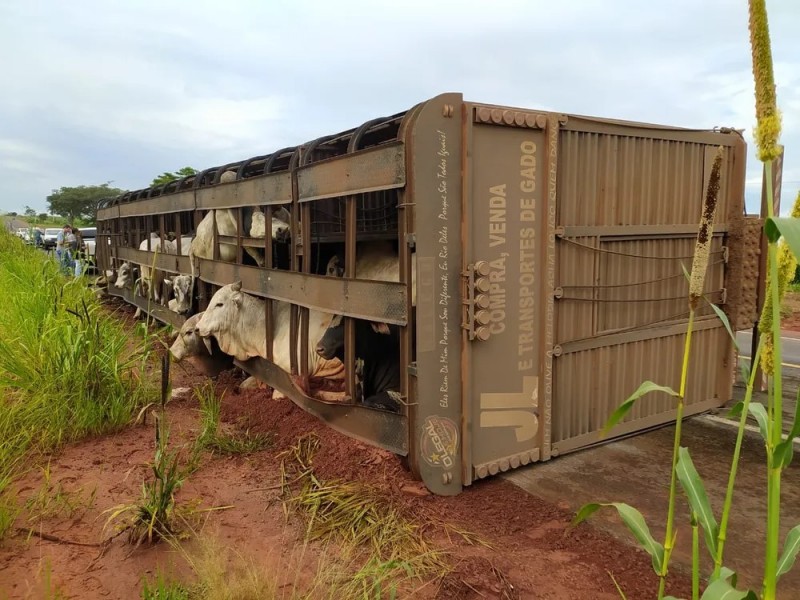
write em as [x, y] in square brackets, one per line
[67, 369]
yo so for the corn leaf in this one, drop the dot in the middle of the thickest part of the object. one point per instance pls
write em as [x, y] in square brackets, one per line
[736, 410]
[698, 499]
[624, 408]
[720, 589]
[724, 318]
[760, 413]
[726, 574]
[789, 228]
[785, 450]
[790, 549]
[635, 522]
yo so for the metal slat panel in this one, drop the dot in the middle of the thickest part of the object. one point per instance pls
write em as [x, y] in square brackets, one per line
[593, 383]
[620, 180]
[374, 300]
[166, 262]
[370, 170]
[159, 205]
[271, 189]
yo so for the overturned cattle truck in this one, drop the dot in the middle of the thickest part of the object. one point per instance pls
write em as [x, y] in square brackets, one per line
[548, 253]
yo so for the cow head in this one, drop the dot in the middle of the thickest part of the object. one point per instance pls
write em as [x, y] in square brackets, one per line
[123, 275]
[181, 286]
[331, 344]
[188, 343]
[222, 312]
[280, 226]
[334, 267]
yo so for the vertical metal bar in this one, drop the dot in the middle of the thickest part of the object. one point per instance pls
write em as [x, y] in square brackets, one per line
[350, 271]
[179, 233]
[215, 235]
[304, 315]
[297, 249]
[239, 235]
[467, 256]
[268, 264]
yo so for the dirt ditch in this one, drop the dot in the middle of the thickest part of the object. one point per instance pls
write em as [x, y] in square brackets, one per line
[531, 551]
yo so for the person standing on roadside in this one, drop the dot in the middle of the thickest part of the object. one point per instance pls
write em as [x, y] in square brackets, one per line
[61, 244]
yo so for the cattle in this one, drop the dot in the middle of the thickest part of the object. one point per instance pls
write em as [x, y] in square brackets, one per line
[377, 345]
[181, 286]
[280, 225]
[237, 321]
[377, 348]
[205, 355]
[124, 276]
[202, 246]
[151, 283]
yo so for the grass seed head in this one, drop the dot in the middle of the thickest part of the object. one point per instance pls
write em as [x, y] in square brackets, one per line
[768, 119]
[702, 247]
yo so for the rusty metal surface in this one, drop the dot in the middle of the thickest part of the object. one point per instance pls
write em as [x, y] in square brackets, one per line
[434, 154]
[108, 213]
[605, 178]
[597, 380]
[370, 170]
[507, 230]
[154, 206]
[379, 428]
[359, 298]
[166, 262]
[161, 313]
[275, 188]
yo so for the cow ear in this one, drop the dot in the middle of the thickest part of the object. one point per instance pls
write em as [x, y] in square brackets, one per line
[236, 286]
[380, 328]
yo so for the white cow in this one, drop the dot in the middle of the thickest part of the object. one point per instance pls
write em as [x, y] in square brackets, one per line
[151, 283]
[237, 321]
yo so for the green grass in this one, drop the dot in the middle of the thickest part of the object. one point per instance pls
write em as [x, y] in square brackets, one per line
[55, 501]
[163, 589]
[212, 439]
[390, 545]
[67, 370]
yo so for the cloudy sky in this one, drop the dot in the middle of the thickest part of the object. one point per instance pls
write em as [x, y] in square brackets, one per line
[104, 91]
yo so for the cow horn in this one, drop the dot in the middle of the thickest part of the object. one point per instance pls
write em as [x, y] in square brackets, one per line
[207, 343]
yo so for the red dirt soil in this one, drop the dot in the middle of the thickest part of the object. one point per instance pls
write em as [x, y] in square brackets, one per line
[533, 553]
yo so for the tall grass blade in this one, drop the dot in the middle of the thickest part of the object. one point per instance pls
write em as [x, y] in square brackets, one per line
[698, 499]
[624, 408]
[724, 318]
[635, 523]
[790, 550]
[759, 413]
[785, 450]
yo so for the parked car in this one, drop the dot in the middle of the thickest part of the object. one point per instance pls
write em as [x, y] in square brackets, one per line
[49, 237]
[89, 235]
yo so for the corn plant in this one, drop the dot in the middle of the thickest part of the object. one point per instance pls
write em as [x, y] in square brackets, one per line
[781, 262]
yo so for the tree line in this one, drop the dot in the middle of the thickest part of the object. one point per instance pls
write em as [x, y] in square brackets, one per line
[80, 203]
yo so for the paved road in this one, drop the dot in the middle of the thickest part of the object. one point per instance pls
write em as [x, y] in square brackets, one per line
[790, 348]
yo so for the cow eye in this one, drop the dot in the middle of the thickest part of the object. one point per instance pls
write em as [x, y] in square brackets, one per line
[219, 304]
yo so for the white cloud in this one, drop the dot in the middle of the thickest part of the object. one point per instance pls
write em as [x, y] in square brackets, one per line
[123, 92]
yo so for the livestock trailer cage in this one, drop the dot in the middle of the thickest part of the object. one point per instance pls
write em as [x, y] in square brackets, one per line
[549, 254]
